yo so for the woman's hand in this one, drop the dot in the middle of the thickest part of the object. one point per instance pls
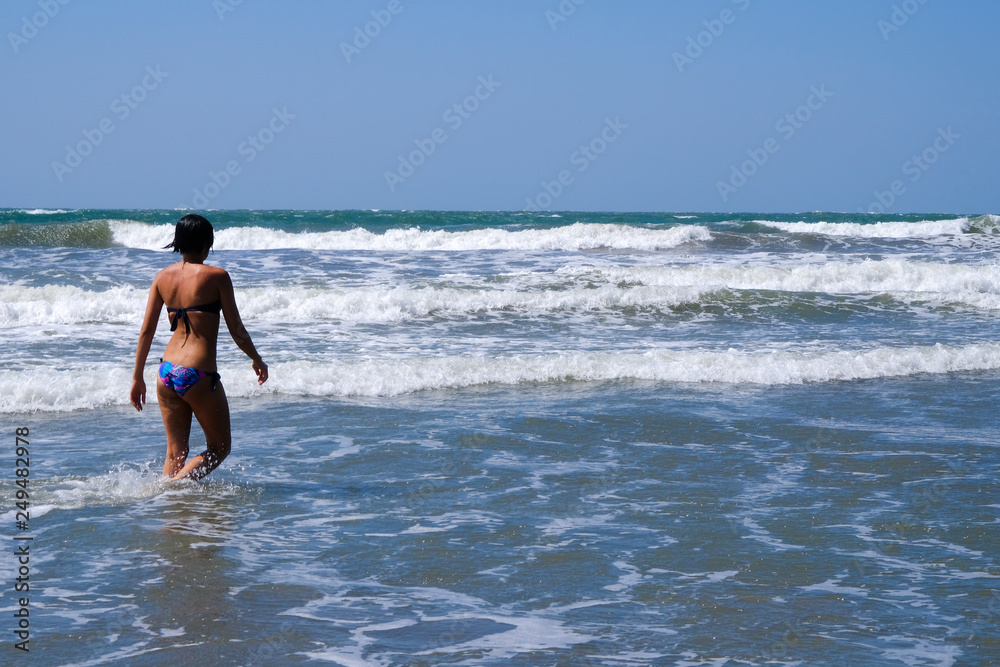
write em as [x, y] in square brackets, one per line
[260, 368]
[138, 394]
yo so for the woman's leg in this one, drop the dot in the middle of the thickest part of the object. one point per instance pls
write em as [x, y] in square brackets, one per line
[212, 411]
[177, 422]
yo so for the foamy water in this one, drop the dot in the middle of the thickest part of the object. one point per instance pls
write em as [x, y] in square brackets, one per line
[576, 236]
[893, 230]
[579, 287]
[514, 438]
[104, 384]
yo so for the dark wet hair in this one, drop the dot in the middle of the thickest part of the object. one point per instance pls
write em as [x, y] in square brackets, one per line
[192, 234]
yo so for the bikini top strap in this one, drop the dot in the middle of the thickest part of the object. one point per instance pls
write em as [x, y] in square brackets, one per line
[215, 308]
[181, 313]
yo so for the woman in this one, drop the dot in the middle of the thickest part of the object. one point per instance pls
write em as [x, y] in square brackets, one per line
[189, 384]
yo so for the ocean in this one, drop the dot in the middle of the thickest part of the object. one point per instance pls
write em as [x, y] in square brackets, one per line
[513, 438]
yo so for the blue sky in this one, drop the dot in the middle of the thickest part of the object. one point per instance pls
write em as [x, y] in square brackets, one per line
[644, 105]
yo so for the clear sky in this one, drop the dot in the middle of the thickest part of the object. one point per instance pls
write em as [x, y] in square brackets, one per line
[627, 105]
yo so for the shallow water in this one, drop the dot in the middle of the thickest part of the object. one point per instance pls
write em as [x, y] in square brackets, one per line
[537, 525]
[565, 460]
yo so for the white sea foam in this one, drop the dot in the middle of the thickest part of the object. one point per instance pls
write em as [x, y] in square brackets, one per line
[978, 286]
[893, 230]
[989, 220]
[105, 384]
[396, 304]
[575, 237]
[134, 234]
[582, 288]
[391, 377]
[21, 305]
[505, 637]
[631, 578]
[41, 211]
[51, 305]
[125, 484]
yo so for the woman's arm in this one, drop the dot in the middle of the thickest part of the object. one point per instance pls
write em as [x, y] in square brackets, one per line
[236, 329]
[154, 304]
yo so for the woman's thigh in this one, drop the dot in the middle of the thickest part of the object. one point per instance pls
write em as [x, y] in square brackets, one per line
[176, 416]
[211, 409]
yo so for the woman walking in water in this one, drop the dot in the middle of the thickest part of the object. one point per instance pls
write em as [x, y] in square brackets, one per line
[194, 294]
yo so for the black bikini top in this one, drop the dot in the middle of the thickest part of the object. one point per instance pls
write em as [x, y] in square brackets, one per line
[215, 308]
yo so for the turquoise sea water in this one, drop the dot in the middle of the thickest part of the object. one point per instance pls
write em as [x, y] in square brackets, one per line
[516, 438]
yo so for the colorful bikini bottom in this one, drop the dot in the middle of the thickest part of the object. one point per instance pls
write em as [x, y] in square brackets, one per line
[182, 378]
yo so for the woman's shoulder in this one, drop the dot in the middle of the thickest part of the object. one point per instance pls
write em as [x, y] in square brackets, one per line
[206, 274]
[216, 274]
[166, 273]
[217, 277]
